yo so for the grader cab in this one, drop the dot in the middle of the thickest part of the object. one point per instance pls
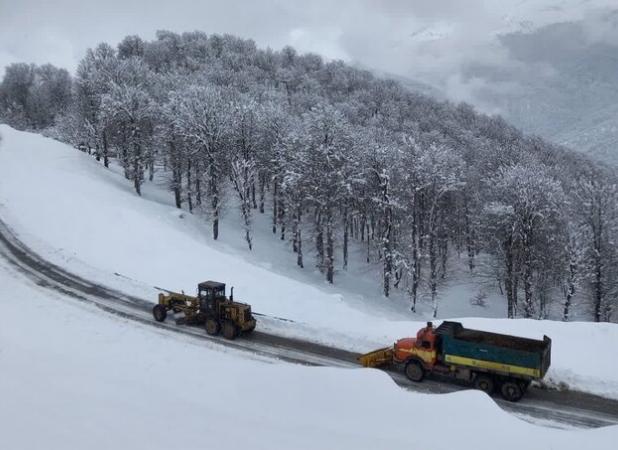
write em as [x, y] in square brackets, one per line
[211, 308]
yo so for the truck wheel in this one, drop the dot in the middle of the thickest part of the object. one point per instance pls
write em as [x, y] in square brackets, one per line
[484, 383]
[511, 391]
[212, 327]
[229, 330]
[159, 313]
[414, 371]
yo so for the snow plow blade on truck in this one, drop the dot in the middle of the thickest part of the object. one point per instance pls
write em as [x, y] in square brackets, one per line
[488, 361]
[377, 358]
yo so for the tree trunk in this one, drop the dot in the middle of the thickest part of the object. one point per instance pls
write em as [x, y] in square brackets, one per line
[508, 277]
[368, 244]
[515, 291]
[469, 239]
[177, 195]
[198, 187]
[388, 252]
[299, 240]
[177, 180]
[105, 151]
[528, 272]
[253, 194]
[189, 196]
[362, 227]
[319, 241]
[346, 227]
[176, 175]
[281, 216]
[137, 169]
[275, 205]
[443, 255]
[598, 287]
[137, 186]
[433, 274]
[329, 249]
[262, 192]
[214, 192]
[416, 264]
[398, 277]
[247, 227]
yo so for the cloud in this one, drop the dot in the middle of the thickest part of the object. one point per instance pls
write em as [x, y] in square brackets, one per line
[431, 41]
[601, 26]
[377, 33]
[325, 42]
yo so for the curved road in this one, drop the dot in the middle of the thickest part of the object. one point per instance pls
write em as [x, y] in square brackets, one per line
[552, 408]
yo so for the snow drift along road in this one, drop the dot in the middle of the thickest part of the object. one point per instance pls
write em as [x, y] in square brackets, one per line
[84, 381]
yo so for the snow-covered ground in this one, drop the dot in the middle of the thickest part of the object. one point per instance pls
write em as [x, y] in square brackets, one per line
[73, 378]
[75, 213]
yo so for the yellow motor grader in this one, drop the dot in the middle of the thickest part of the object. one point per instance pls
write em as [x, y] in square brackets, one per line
[211, 308]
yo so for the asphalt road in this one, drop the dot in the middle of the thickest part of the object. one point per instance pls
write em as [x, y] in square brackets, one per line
[562, 409]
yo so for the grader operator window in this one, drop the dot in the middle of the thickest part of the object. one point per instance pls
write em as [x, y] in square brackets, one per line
[211, 293]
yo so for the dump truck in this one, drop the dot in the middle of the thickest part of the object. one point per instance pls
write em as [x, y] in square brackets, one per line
[487, 361]
[210, 308]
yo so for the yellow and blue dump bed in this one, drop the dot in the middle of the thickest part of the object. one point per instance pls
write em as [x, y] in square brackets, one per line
[493, 352]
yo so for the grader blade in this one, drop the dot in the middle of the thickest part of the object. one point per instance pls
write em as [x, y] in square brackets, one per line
[377, 358]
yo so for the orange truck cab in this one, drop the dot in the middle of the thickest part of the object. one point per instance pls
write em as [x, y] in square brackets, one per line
[419, 354]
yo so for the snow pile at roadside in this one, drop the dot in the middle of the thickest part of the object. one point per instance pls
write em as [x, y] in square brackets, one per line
[72, 378]
[73, 212]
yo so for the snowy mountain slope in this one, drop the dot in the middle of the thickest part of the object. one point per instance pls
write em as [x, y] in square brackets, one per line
[565, 87]
[547, 66]
[83, 380]
[75, 213]
[530, 15]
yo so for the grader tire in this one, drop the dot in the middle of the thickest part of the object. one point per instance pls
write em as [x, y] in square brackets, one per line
[212, 327]
[159, 312]
[230, 331]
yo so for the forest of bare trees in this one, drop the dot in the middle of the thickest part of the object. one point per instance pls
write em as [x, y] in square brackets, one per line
[332, 151]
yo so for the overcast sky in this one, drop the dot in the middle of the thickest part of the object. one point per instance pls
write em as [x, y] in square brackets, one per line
[428, 40]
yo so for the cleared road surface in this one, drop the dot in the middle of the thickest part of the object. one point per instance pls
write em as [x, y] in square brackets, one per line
[565, 409]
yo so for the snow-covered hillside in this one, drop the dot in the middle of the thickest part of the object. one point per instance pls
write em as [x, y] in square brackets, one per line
[547, 66]
[75, 213]
[72, 378]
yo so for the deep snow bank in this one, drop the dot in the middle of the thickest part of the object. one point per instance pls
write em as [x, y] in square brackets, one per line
[74, 212]
[72, 378]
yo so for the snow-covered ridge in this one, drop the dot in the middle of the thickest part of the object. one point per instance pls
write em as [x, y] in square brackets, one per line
[512, 16]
